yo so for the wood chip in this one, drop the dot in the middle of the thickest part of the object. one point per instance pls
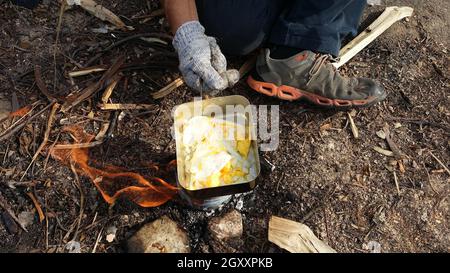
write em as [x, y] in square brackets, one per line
[392, 145]
[295, 237]
[109, 89]
[381, 134]
[383, 151]
[325, 127]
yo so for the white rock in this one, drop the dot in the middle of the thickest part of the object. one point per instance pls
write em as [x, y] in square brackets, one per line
[160, 236]
[227, 226]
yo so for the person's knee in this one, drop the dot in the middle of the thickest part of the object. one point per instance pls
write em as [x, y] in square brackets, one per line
[239, 26]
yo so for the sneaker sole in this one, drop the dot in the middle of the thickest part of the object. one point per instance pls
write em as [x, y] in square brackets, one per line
[290, 93]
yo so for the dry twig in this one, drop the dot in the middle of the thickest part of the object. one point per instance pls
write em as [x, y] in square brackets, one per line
[127, 106]
[37, 206]
[440, 162]
[92, 89]
[51, 117]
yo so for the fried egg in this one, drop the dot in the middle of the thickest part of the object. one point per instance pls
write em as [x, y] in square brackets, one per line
[214, 156]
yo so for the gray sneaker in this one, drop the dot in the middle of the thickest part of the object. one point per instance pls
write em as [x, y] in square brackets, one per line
[312, 77]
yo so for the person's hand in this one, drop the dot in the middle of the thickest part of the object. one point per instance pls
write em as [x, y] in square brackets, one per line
[202, 64]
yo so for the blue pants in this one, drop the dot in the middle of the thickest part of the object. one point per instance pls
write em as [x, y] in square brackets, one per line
[241, 26]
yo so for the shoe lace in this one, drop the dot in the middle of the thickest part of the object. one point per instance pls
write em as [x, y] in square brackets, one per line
[320, 60]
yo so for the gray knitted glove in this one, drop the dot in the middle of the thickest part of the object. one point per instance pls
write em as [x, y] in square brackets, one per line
[202, 64]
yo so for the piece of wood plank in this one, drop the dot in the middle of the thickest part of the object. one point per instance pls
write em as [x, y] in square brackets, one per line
[295, 237]
[383, 22]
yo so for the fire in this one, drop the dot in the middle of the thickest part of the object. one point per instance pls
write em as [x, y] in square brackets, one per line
[114, 182]
[21, 111]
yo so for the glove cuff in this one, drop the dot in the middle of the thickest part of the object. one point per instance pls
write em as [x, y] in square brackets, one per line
[186, 34]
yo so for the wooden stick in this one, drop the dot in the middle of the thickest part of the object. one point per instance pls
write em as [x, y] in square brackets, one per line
[126, 106]
[12, 131]
[87, 71]
[383, 22]
[109, 89]
[440, 162]
[353, 126]
[243, 70]
[396, 183]
[158, 12]
[168, 88]
[97, 240]
[247, 66]
[295, 237]
[92, 89]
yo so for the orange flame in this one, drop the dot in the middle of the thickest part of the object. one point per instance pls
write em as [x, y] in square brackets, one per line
[21, 111]
[113, 182]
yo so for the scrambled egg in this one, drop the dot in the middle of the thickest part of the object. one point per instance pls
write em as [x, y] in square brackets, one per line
[215, 155]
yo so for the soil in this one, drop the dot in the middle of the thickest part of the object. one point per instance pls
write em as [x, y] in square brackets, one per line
[336, 184]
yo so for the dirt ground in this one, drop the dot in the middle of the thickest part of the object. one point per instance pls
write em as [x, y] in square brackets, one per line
[336, 184]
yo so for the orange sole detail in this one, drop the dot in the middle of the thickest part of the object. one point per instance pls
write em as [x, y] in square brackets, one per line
[289, 93]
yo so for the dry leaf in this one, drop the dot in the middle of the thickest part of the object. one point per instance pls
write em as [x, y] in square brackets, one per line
[100, 12]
